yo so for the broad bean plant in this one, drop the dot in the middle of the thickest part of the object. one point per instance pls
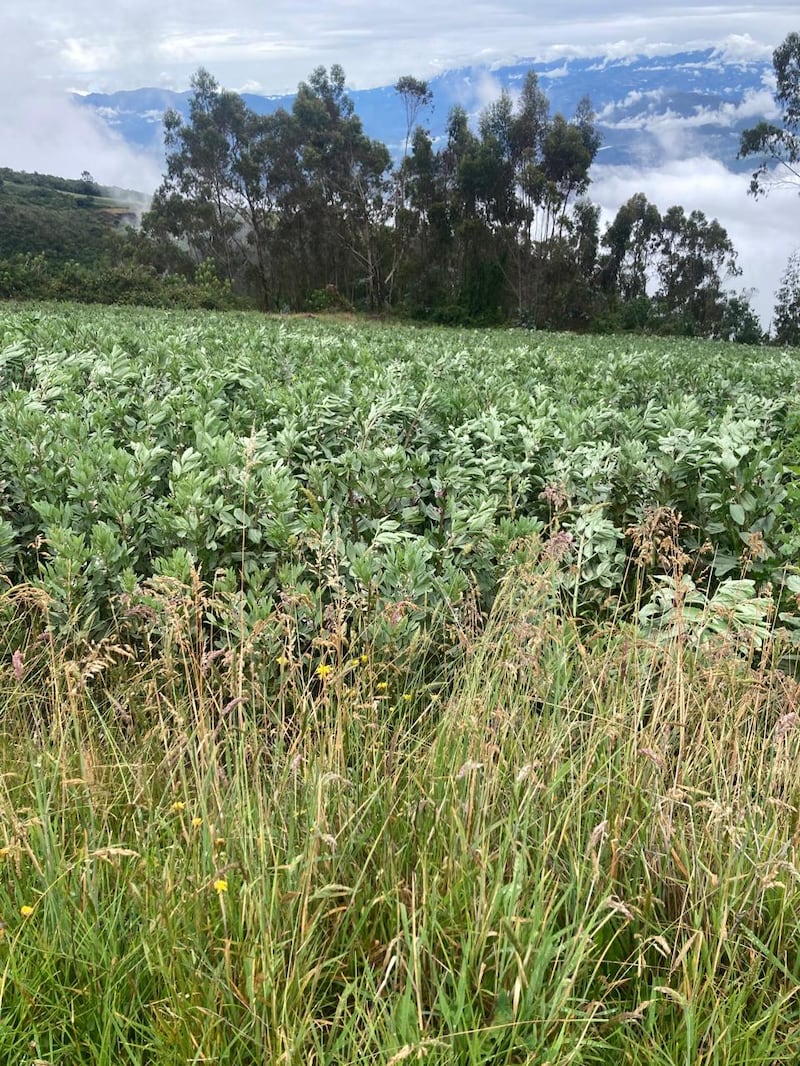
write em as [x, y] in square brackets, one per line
[391, 467]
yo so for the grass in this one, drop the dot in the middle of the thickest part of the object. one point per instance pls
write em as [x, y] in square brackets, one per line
[579, 847]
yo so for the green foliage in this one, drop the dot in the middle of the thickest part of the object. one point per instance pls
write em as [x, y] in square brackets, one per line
[739, 322]
[665, 274]
[779, 146]
[285, 209]
[786, 324]
[580, 846]
[365, 697]
[29, 277]
[328, 299]
[63, 219]
[397, 465]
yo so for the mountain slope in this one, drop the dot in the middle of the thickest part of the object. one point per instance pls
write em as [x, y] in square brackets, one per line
[66, 219]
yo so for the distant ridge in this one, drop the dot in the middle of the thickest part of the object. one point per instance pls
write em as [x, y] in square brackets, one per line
[649, 108]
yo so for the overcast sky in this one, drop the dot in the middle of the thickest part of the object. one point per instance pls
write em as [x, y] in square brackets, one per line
[50, 46]
[113, 44]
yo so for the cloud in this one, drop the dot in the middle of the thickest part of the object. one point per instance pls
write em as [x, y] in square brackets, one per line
[755, 104]
[486, 90]
[129, 43]
[740, 47]
[764, 232]
[41, 129]
[634, 97]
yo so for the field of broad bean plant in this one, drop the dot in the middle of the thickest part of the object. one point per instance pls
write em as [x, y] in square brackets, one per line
[381, 694]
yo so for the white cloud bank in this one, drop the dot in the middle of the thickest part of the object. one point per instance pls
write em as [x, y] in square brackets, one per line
[130, 43]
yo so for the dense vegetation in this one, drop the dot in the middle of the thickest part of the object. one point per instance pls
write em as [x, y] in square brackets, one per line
[301, 210]
[63, 239]
[387, 463]
[67, 220]
[386, 694]
[379, 694]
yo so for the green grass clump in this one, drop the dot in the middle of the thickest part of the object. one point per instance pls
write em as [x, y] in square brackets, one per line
[580, 846]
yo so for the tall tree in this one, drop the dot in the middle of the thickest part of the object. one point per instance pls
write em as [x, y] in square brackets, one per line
[787, 304]
[415, 95]
[633, 241]
[697, 257]
[666, 272]
[217, 194]
[345, 176]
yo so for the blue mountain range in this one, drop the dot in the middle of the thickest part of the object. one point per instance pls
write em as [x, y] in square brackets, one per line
[649, 108]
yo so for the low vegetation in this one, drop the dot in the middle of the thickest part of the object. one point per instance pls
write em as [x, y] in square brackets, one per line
[582, 848]
[395, 464]
[384, 694]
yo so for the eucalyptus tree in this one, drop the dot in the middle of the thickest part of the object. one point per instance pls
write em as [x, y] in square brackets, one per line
[221, 191]
[633, 240]
[416, 96]
[344, 182]
[555, 228]
[193, 201]
[281, 203]
[696, 257]
[497, 204]
[787, 304]
[667, 272]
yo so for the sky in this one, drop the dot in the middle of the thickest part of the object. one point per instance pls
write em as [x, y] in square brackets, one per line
[272, 44]
[48, 47]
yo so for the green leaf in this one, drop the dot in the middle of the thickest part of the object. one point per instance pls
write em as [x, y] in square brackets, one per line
[737, 513]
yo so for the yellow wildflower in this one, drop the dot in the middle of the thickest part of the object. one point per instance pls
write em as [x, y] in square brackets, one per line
[364, 660]
[282, 660]
[382, 686]
[197, 822]
[26, 911]
[220, 886]
[178, 806]
[323, 670]
[407, 697]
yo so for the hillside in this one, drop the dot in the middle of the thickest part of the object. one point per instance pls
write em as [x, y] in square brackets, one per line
[66, 219]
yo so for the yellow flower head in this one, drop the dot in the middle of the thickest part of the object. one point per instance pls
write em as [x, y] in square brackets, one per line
[26, 911]
[323, 670]
[282, 660]
[197, 822]
[220, 886]
[364, 660]
[382, 686]
[178, 806]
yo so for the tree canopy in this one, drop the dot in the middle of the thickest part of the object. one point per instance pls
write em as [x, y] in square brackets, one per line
[778, 145]
[302, 208]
